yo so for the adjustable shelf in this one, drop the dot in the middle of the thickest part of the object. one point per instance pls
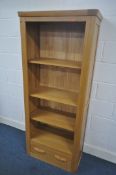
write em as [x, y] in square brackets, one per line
[57, 62]
[56, 95]
[54, 119]
[58, 49]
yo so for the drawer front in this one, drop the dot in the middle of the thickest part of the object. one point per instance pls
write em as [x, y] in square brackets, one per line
[40, 152]
[51, 156]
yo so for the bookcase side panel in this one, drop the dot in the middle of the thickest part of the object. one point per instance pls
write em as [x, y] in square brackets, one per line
[25, 80]
[90, 44]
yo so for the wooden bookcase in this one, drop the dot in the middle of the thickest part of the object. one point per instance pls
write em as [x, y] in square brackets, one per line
[58, 50]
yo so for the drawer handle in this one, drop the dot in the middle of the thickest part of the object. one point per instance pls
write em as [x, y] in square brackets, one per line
[39, 150]
[60, 158]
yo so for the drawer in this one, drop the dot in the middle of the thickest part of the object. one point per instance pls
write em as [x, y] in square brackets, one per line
[51, 156]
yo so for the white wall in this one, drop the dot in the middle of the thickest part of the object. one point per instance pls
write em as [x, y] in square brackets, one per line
[101, 128]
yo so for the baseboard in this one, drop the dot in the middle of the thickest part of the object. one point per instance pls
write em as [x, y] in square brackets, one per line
[99, 152]
[13, 123]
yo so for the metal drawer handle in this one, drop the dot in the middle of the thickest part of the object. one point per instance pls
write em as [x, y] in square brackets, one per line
[39, 150]
[60, 158]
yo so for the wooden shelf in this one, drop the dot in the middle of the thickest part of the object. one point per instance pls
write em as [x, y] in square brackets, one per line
[54, 119]
[53, 141]
[56, 62]
[56, 95]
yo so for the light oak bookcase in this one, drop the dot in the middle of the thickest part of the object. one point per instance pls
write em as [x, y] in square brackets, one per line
[58, 50]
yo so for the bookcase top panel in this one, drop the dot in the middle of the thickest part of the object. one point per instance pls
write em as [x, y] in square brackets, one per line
[86, 12]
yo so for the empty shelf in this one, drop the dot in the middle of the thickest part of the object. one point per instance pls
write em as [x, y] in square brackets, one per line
[54, 119]
[56, 95]
[53, 141]
[57, 62]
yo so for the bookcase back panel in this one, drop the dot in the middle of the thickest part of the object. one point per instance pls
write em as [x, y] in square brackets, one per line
[58, 107]
[62, 40]
[36, 126]
[62, 78]
[51, 76]
[55, 40]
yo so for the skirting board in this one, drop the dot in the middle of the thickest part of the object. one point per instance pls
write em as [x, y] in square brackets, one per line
[13, 123]
[99, 152]
[90, 149]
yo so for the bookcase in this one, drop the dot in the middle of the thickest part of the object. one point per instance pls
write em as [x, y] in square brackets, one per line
[58, 51]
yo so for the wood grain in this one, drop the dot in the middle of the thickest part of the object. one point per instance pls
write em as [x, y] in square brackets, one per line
[25, 82]
[60, 78]
[58, 49]
[54, 119]
[57, 62]
[88, 12]
[91, 38]
[62, 40]
[52, 156]
[56, 95]
[53, 141]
